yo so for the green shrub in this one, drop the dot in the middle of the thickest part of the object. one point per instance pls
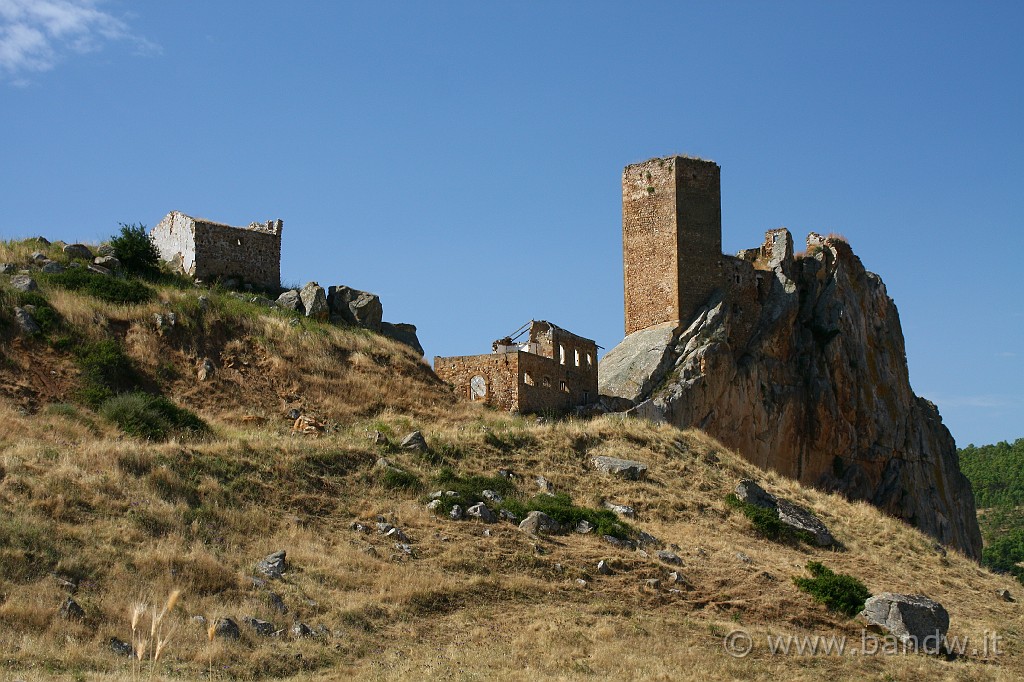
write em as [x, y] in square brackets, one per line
[397, 479]
[136, 251]
[106, 371]
[562, 509]
[469, 491]
[766, 522]
[103, 287]
[151, 417]
[837, 591]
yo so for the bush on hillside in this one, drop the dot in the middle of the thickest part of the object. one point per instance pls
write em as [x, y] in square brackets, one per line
[106, 371]
[136, 251]
[837, 591]
[103, 287]
[151, 417]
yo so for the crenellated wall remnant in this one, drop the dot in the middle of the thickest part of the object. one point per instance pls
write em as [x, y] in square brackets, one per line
[206, 250]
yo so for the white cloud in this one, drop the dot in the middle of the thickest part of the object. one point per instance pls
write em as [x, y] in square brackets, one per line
[36, 34]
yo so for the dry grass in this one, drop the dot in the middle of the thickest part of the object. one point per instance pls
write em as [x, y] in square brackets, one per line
[128, 520]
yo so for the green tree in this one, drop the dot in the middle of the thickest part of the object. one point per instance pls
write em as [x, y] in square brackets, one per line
[136, 251]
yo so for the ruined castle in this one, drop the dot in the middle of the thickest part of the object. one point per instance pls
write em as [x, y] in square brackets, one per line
[797, 361]
[206, 250]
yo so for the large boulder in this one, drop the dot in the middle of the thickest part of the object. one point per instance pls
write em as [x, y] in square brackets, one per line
[290, 300]
[360, 308]
[25, 321]
[537, 522]
[636, 365]
[911, 618]
[794, 516]
[623, 468]
[314, 301]
[403, 333]
[78, 251]
[24, 283]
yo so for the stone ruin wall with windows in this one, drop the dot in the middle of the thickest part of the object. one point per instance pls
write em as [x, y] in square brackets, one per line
[207, 250]
[554, 370]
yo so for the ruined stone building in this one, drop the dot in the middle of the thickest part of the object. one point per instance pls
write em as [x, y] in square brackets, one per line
[207, 250]
[552, 369]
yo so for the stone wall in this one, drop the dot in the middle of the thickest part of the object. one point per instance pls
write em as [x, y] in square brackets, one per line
[207, 250]
[671, 239]
[560, 375]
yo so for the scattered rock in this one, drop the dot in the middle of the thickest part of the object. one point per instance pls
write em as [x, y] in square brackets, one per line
[8, 268]
[743, 557]
[603, 568]
[370, 550]
[24, 283]
[506, 515]
[415, 441]
[69, 586]
[404, 547]
[294, 414]
[109, 262]
[1005, 595]
[481, 512]
[276, 602]
[121, 647]
[204, 302]
[581, 582]
[647, 540]
[623, 468]
[80, 251]
[69, 609]
[53, 268]
[792, 515]
[290, 300]
[383, 527]
[618, 542]
[227, 628]
[544, 484]
[507, 474]
[38, 257]
[584, 527]
[674, 577]
[273, 565]
[26, 323]
[456, 513]
[358, 527]
[262, 628]
[433, 505]
[537, 522]
[492, 497]
[378, 438]
[314, 301]
[652, 584]
[621, 509]
[99, 269]
[669, 557]
[301, 630]
[397, 534]
[206, 369]
[909, 618]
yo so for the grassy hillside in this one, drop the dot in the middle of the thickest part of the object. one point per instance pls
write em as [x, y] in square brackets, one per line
[118, 521]
[997, 476]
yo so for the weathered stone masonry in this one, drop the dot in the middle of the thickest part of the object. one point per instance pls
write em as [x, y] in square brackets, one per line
[554, 370]
[671, 238]
[207, 250]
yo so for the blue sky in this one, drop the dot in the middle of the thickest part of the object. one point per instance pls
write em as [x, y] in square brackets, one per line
[463, 159]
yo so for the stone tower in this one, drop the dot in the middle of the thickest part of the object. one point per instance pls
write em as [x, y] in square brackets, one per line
[671, 238]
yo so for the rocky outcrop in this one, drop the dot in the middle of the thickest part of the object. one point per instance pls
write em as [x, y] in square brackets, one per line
[911, 618]
[798, 362]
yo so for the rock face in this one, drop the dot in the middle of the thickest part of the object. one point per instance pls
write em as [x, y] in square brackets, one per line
[911, 618]
[799, 364]
[314, 301]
